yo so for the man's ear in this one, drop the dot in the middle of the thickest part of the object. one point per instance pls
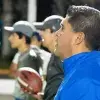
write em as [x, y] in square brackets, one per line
[79, 37]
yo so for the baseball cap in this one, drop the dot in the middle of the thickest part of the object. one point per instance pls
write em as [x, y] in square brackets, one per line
[24, 27]
[52, 22]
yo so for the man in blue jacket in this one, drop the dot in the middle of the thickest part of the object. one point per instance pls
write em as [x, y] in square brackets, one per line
[78, 41]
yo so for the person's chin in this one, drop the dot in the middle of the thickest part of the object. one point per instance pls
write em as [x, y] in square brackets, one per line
[51, 49]
[45, 45]
[56, 52]
[13, 47]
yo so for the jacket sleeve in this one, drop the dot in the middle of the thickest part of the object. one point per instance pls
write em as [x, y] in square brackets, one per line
[52, 87]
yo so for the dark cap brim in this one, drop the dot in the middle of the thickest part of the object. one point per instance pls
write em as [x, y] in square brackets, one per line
[39, 25]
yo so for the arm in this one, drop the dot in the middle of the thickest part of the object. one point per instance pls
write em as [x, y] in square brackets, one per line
[13, 70]
[14, 65]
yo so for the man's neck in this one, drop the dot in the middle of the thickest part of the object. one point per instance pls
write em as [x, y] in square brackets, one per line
[23, 48]
[74, 52]
[79, 50]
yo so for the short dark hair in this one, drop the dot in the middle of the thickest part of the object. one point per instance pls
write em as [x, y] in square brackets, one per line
[37, 35]
[20, 34]
[87, 20]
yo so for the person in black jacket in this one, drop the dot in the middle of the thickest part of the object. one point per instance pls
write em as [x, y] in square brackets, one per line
[54, 70]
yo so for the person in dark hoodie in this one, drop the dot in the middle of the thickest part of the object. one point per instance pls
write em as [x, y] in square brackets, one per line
[78, 42]
[55, 73]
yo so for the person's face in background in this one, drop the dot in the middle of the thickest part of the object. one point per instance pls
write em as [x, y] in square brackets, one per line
[48, 39]
[15, 41]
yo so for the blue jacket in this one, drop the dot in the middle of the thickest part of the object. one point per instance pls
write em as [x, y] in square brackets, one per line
[81, 77]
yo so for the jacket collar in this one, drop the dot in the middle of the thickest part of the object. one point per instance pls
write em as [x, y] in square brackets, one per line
[70, 63]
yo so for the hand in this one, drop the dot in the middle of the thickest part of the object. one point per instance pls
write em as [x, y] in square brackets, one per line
[38, 96]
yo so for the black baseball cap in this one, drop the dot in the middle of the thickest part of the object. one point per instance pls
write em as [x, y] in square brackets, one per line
[52, 22]
[24, 27]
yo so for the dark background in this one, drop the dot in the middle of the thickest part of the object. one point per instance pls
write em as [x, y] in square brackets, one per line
[14, 10]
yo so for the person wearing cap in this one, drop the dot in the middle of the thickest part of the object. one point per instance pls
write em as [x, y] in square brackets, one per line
[20, 38]
[78, 44]
[17, 32]
[54, 76]
[50, 25]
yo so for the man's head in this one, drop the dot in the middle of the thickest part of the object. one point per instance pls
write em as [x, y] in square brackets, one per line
[21, 33]
[79, 32]
[47, 29]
